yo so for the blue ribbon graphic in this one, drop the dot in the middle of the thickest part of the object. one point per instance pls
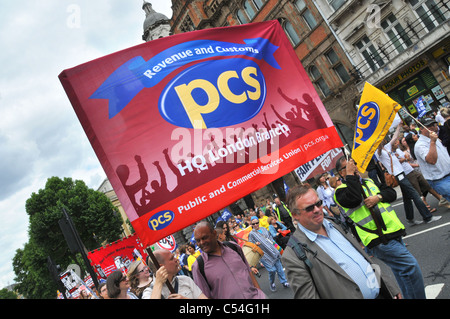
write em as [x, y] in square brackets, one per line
[136, 74]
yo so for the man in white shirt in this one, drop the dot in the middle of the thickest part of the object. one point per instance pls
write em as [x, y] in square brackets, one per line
[386, 156]
[433, 158]
[439, 118]
[184, 286]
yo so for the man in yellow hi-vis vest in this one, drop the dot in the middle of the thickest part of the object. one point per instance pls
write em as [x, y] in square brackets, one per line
[378, 227]
[283, 213]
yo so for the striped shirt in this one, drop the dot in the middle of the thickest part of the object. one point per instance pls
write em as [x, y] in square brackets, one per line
[262, 235]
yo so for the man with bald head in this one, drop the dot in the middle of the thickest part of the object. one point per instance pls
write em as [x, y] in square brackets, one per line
[227, 274]
[184, 286]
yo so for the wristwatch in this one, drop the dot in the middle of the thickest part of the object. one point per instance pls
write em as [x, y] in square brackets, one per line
[380, 197]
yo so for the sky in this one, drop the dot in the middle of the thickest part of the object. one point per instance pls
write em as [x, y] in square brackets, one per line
[40, 135]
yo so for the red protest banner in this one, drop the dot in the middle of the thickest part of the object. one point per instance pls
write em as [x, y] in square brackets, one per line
[187, 124]
[116, 256]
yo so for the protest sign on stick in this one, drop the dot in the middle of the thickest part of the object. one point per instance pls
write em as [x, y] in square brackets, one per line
[375, 115]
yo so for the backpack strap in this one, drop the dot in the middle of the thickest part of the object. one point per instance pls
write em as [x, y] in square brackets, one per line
[232, 246]
[299, 249]
[201, 268]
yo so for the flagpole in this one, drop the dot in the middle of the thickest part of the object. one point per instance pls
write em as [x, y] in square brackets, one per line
[156, 263]
[417, 121]
[345, 151]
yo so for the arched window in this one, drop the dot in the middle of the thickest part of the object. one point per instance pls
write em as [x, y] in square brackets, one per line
[249, 9]
[241, 17]
[291, 33]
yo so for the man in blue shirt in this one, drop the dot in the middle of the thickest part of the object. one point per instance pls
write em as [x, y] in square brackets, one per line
[340, 268]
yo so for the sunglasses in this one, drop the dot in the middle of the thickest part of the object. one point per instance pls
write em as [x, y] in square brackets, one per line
[310, 208]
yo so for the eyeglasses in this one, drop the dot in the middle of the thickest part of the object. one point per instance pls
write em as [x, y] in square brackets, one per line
[145, 268]
[310, 208]
[343, 168]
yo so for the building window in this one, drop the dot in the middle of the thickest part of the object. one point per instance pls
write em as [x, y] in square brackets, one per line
[337, 66]
[249, 7]
[249, 10]
[428, 13]
[300, 4]
[319, 80]
[241, 17]
[369, 53]
[336, 4]
[306, 14]
[396, 33]
[291, 33]
[258, 4]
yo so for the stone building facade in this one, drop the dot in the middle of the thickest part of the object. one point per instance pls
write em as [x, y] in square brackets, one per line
[400, 46]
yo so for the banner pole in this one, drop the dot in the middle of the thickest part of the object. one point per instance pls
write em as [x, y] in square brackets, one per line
[417, 121]
[156, 263]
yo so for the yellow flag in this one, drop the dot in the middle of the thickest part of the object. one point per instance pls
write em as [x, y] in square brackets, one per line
[375, 115]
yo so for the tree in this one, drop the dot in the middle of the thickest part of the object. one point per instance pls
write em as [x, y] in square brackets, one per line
[93, 215]
[33, 278]
[6, 294]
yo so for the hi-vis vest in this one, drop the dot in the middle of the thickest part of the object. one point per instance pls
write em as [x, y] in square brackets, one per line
[361, 217]
[278, 210]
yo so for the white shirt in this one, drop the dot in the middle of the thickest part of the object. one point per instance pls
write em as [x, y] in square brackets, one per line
[439, 118]
[326, 195]
[429, 171]
[406, 166]
[186, 287]
[386, 161]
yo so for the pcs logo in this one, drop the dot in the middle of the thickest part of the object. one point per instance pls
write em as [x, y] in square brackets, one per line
[214, 94]
[161, 220]
[367, 122]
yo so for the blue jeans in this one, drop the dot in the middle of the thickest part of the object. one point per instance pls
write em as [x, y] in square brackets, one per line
[404, 266]
[410, 195]
[276, 268]
[442, 186]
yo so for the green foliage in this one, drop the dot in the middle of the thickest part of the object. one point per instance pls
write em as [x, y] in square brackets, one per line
[32, 275]
[93, 215]
[6, 294]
